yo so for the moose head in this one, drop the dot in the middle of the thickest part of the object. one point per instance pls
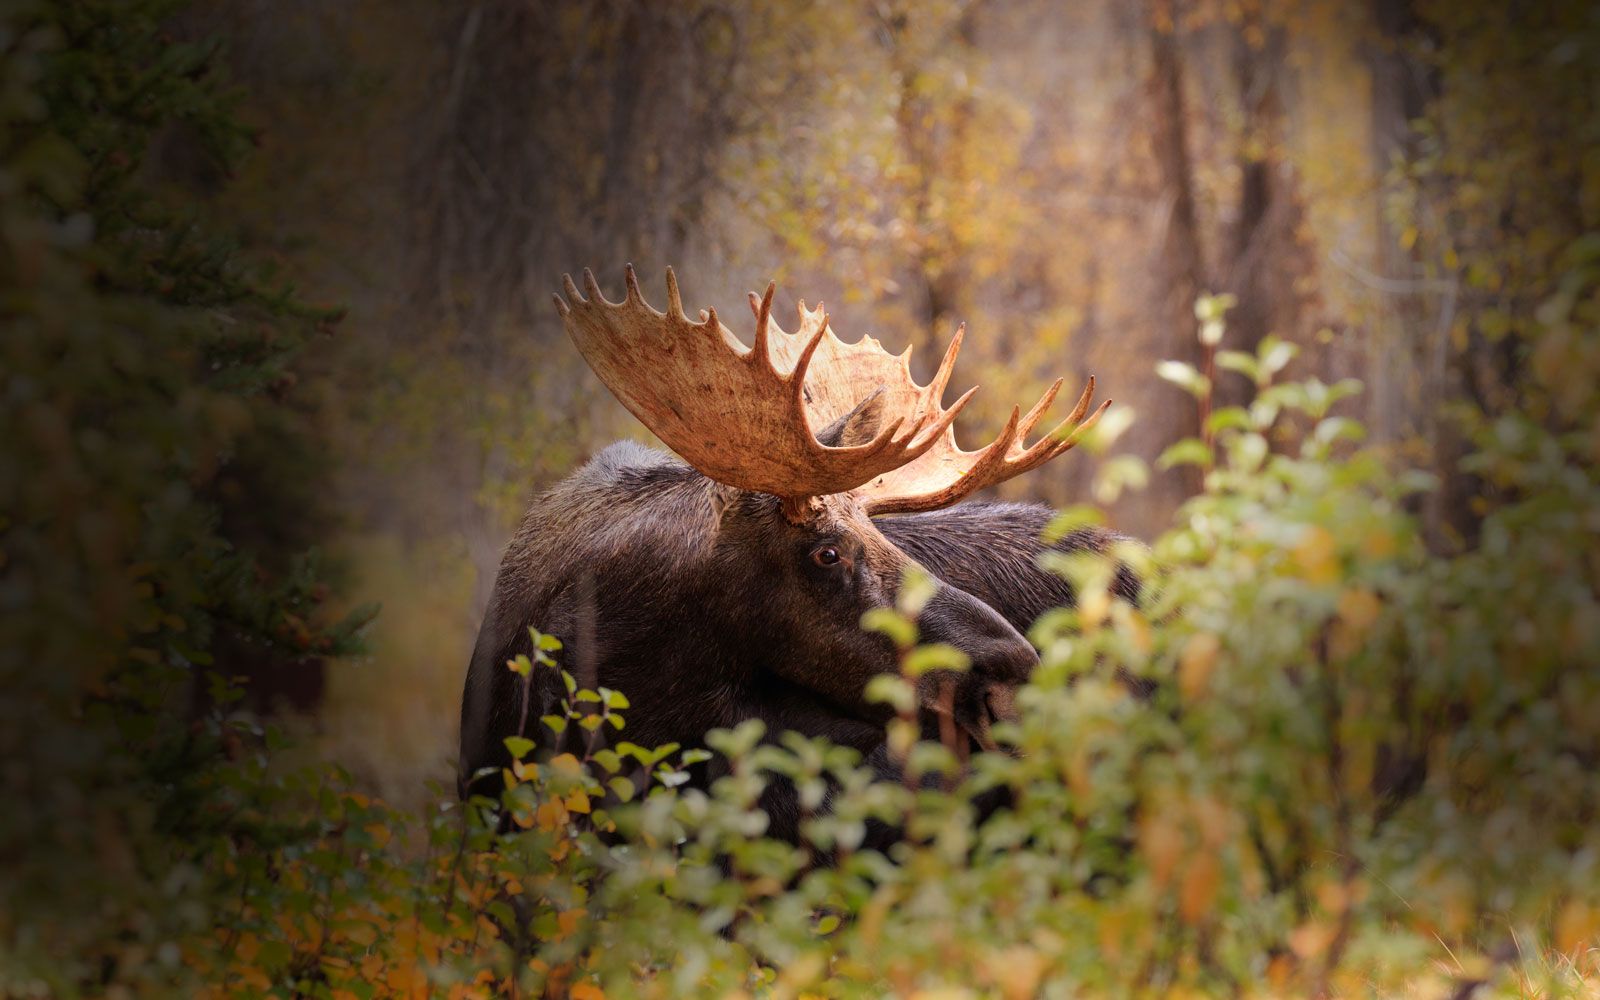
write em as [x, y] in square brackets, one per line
[734, 586]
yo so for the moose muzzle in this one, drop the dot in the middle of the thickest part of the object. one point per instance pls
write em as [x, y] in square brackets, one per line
[1001, 660]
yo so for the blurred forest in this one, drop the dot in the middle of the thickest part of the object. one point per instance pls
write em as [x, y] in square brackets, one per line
[1066, 179]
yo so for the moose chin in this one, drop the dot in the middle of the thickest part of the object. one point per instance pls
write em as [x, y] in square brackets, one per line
[730, 583]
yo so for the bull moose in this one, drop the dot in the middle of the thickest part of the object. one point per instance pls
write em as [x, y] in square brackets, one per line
[730, 582]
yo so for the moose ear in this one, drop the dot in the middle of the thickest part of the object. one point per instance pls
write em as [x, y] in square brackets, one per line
[858, 426]
[722, 497]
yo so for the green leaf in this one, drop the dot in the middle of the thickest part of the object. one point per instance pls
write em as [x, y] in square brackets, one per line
[520, 665]
[1275, 354]
[936, 656]
[1339, 429]
[917, 588]
[1117, 474]
[891, 690]
[1229, 418]
[1185, 377]
[890, 622]
[1239, 361]
[1189, 451]
[622, 788]
[1214, 307]
[555, 723]
[549, 643]
[520, 746]
[1070, 519]
[1248, 452]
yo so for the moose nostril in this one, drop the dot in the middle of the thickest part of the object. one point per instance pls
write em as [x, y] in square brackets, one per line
[1012, 662]
[997, 650]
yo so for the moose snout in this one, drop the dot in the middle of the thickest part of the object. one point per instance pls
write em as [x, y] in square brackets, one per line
[1000, 657]
[998, 651]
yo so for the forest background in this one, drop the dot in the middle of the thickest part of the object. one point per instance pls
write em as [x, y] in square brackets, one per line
[1388, 189]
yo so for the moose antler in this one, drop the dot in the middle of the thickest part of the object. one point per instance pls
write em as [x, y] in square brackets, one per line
[739, 415]
[746, 416]
[944, 474]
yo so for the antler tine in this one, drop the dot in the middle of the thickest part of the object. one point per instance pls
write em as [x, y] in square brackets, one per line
[674, 300]
[571, 290]
[630, 279]
[797, 377]
[760, 353]
[941, 378]
[990, 459]
[1059, 433]
[1071, 440]
[1060, 440]
[593, 288]
[941, 422]
[1083, 403]
[884, 439]
[1038, 409]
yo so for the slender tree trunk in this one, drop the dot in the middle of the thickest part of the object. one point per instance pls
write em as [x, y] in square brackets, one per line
[1179, 276]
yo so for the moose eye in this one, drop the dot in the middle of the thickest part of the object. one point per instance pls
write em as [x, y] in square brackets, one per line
[828, 555]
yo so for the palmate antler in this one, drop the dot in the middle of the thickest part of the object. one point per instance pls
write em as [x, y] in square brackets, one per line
[944, 474]
[747, 416]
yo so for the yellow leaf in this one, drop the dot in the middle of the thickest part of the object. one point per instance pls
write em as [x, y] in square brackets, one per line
[247, 948]
[565, 763]
[1196, 663]
[1378, 544]
[551, 815]
[1358, 609]
[1316, 556]
[1197, 889]
[567, 920]
[586, 991]
[1016, 970]
[577, 802]
[1312, 938]
[1577, 927]
[1161, 843]
[1093, 608]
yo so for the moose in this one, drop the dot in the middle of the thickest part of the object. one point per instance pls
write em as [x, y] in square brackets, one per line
[729, 582]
